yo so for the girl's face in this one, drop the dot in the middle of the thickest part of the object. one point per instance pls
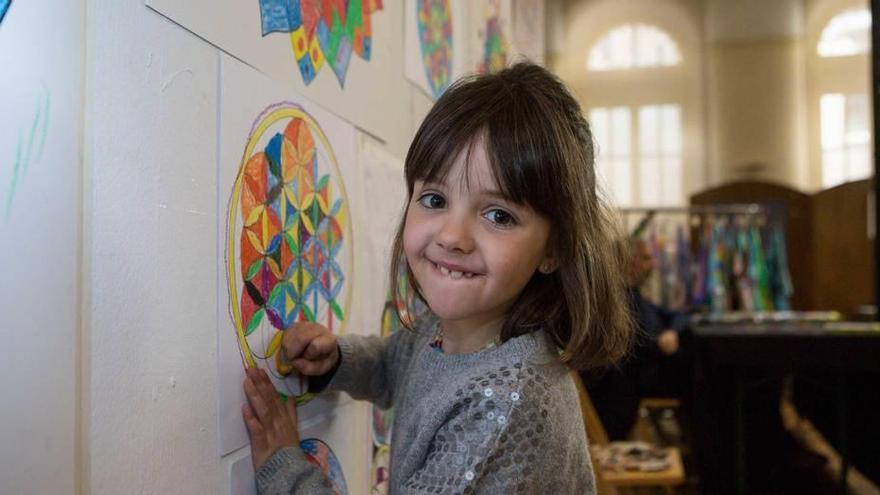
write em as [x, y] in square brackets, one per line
[471, 250]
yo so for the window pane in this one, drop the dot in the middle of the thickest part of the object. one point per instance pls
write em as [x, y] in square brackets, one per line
[649, 127]
[831, 115]
[672, 181]
[858, 163]
[650, 184]
[620, 130]
[611, 130]
[833, 171]
[660, 159]
[633, 45]
[622, 187]
[846, 137]
[857, 131]
[671, 129]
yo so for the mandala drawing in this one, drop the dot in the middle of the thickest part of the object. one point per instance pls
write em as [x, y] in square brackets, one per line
[322, 31]
[288, 240]
[494, 43]
[435, 40]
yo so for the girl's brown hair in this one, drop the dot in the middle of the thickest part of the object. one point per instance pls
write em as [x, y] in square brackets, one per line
[541, 151]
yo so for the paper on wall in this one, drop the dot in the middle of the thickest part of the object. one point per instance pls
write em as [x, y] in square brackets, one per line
[248, 103]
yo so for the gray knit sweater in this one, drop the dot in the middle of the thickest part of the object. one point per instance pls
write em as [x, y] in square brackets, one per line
[504, 420]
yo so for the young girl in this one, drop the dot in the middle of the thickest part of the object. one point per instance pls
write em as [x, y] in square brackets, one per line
[510, 247]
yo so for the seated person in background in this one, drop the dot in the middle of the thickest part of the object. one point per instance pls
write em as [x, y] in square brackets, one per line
[655, 367]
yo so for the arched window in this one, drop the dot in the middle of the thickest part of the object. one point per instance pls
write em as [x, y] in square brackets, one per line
[847, 33]
[844, 113]
[633, 45]
[640, 155]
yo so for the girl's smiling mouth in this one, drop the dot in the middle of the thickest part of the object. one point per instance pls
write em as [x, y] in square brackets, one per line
[455, 272]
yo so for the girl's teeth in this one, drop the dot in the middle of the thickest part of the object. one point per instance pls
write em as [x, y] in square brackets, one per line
[452, 273]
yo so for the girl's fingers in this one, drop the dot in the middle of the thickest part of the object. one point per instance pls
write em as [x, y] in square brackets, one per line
[256, 401]
[311, 368]
[268, 392]
[319, 347]
[254, 427]
[298, 337]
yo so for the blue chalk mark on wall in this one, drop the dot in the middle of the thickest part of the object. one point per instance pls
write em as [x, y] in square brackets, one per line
[31, 142]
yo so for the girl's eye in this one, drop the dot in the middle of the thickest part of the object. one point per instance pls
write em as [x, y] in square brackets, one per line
[500, 218]
[432, 201]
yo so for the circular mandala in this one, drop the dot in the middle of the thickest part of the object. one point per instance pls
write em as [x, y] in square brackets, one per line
[321, 455]
[288, 239]
[435, 40]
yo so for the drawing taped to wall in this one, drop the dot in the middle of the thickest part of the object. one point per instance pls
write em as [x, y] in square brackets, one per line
[288, 239]
[322, 31]
[321, 455]
[287, 170]
[434, 18]
[494, 39]
[435, 45]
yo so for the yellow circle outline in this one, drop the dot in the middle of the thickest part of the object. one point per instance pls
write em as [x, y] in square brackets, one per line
[286, 111]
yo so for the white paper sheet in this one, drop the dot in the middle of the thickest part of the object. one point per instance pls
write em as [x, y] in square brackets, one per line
[248, 101]
[384, 195]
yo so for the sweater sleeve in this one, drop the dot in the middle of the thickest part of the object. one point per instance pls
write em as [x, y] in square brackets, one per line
[371, 367]
[288, 472]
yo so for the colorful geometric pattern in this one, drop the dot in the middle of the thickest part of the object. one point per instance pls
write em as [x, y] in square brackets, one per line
[289, 239]
[322, 30]
[495, 46]
[4, 6]
[435, 39]
[321, 455]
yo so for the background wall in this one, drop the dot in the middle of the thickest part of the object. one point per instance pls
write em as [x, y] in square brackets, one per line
[41, 57]
[751, 76]
[756, 91]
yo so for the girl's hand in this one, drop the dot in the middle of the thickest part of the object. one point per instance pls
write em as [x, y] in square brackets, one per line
[309, 348]
[271, 424]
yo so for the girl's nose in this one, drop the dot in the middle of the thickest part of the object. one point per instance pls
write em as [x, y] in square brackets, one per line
[455, 235]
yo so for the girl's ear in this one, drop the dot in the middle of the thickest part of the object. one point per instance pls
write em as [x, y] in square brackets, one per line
[548, 266]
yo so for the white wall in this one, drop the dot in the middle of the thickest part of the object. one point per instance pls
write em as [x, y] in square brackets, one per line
[150, 232]
[150, 235]
[41, 50]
